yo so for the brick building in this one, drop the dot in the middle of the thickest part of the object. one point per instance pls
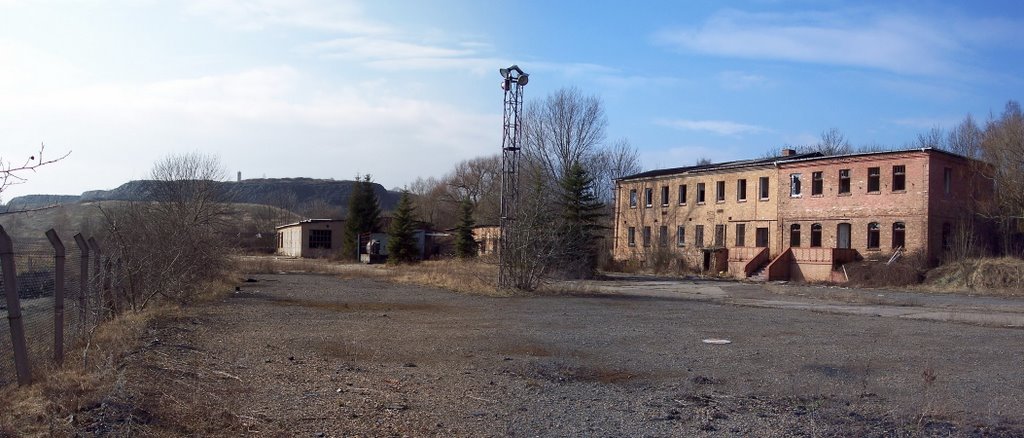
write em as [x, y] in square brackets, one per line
[793, 216]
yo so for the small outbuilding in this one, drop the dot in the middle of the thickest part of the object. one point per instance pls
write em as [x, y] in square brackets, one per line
[311, 238]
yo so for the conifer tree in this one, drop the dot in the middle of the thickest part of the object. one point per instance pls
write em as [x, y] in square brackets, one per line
[402, 247]
[580, 229]
[363, 215]
[465, 245]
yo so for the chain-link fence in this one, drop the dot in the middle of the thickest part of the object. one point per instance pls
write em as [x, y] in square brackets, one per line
[57, 289]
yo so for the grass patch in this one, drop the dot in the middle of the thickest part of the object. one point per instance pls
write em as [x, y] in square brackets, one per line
[990, 276]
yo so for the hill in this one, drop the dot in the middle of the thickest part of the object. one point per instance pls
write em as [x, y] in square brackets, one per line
[304, 196]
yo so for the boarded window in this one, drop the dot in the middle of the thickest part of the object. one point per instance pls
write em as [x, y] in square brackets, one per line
[719, 236]
[663, 235]
[844, 181]
[698, 236]
[647, 236]
[761, 237]
[741, 235]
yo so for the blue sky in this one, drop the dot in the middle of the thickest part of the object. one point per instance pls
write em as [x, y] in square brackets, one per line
[329, 89]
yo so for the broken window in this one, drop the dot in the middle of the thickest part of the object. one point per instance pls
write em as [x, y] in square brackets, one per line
[663, 235]
[664, 196]
[899, 233]
[719, 236]
[816, 235]
[794, 185]
[700, 193]
[763, 187]
[899, 178]
[631, 236]
[741, 234]
[720, 191]
[844, 181]
[682, 194]
[741, 190]
[648, 197]
[632, 198]
[794, 235]
[873, 235]
[647, 236]
[698, 236]
[320, 239]
[680, 235]
[817, 184]
[874, 179]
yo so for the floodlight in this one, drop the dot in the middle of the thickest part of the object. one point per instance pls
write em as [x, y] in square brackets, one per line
[504, 72]
[523, 79]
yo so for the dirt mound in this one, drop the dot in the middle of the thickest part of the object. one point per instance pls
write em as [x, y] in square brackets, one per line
[994, 275]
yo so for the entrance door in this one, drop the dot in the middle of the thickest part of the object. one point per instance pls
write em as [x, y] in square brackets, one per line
[761, 237]
[843, 236]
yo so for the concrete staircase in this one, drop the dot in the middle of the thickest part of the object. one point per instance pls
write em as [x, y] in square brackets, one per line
[760, 275]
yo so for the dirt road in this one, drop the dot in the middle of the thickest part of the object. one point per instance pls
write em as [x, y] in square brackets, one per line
[311, 355]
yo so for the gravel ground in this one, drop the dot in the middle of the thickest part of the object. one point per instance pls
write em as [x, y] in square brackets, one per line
[313, 355]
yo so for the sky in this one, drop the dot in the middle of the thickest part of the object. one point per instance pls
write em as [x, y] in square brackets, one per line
[407, 89]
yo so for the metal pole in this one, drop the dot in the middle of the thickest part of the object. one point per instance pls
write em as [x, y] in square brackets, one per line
[97, 276]
[21, 361]
[83, 282]
[513, 80]
[58, 295]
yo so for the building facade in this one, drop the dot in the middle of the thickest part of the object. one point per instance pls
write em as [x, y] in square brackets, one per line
[793, 216]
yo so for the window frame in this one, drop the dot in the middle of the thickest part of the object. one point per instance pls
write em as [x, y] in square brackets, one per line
[741, 190]
[646, 235]
[631, 236]
[720, 235]
[947, 180]
[795, 189]
[757, 237]
[899, 229]
[322, 239]
[663, 235]
[741, 235]
[816, 237]
[680, 235]
[899, 178]
[817, 183]
[701, 193]
[664, 196]
[634, 198]
[763, 188]
[874, 180]
[874, 240]
[649, 197]
[698, 236]
[719, 192]
[682, 194]
[794, 235]
[845, 182]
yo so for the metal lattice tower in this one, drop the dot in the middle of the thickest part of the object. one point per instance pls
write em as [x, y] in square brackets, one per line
[513, 80]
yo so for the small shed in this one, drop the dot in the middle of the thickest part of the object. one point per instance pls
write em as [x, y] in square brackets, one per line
[311, 238]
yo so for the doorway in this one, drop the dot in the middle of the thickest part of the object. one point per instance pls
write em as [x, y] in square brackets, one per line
[843, 236]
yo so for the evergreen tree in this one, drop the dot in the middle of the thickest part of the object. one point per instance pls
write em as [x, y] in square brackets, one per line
[402, 245]
[465, 245]
[580, 229]
[363, 215]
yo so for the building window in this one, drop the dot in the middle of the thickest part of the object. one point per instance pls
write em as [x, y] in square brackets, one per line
[794, 185]
[899, 178]
[720, 191]
[844, 181]
[664, 196]
[700, 193]
[817, 184]
[816, 235]
[647, 236]
[794, 235]
[648, 197]
[280, 240]
[682, 194]
[741, 234]
[320, 239]
[632, 198]
[761, 237]
[899, 235]
[874, 179]
[631, 236]
[947, 234]
[741, 190]
[680, 235]
[873, 235]
[663, 236]
[947, 180]
[698, 236]
[762, 187]
[719, 236]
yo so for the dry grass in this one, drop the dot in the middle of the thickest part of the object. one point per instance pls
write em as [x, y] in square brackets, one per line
[989, 276]
[91, 373]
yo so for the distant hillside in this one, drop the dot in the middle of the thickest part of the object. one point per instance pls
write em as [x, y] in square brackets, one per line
[299, 195]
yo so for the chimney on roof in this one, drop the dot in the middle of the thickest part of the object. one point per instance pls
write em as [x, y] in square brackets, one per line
[786, 152]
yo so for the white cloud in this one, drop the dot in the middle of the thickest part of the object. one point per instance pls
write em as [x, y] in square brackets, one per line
[720, 127]
[331, 15]
[737, 80]
[897, 43]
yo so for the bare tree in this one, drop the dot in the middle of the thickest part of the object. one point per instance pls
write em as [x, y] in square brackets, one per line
[562, 130]
[617, 160]
[832, 142]
[966, 138]
[933, 138]
[1003, 152]
[703, 161]
[172, 244]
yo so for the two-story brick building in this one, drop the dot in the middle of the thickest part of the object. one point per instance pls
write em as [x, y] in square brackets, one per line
[793, 216]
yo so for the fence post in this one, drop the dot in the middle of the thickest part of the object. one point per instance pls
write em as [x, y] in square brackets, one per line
[83, 286]
[21, 363]
[97, 276]
[58, 295]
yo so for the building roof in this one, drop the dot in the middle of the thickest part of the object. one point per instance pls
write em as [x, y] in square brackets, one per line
[308, 221]
[813, 156]
[719, 166]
